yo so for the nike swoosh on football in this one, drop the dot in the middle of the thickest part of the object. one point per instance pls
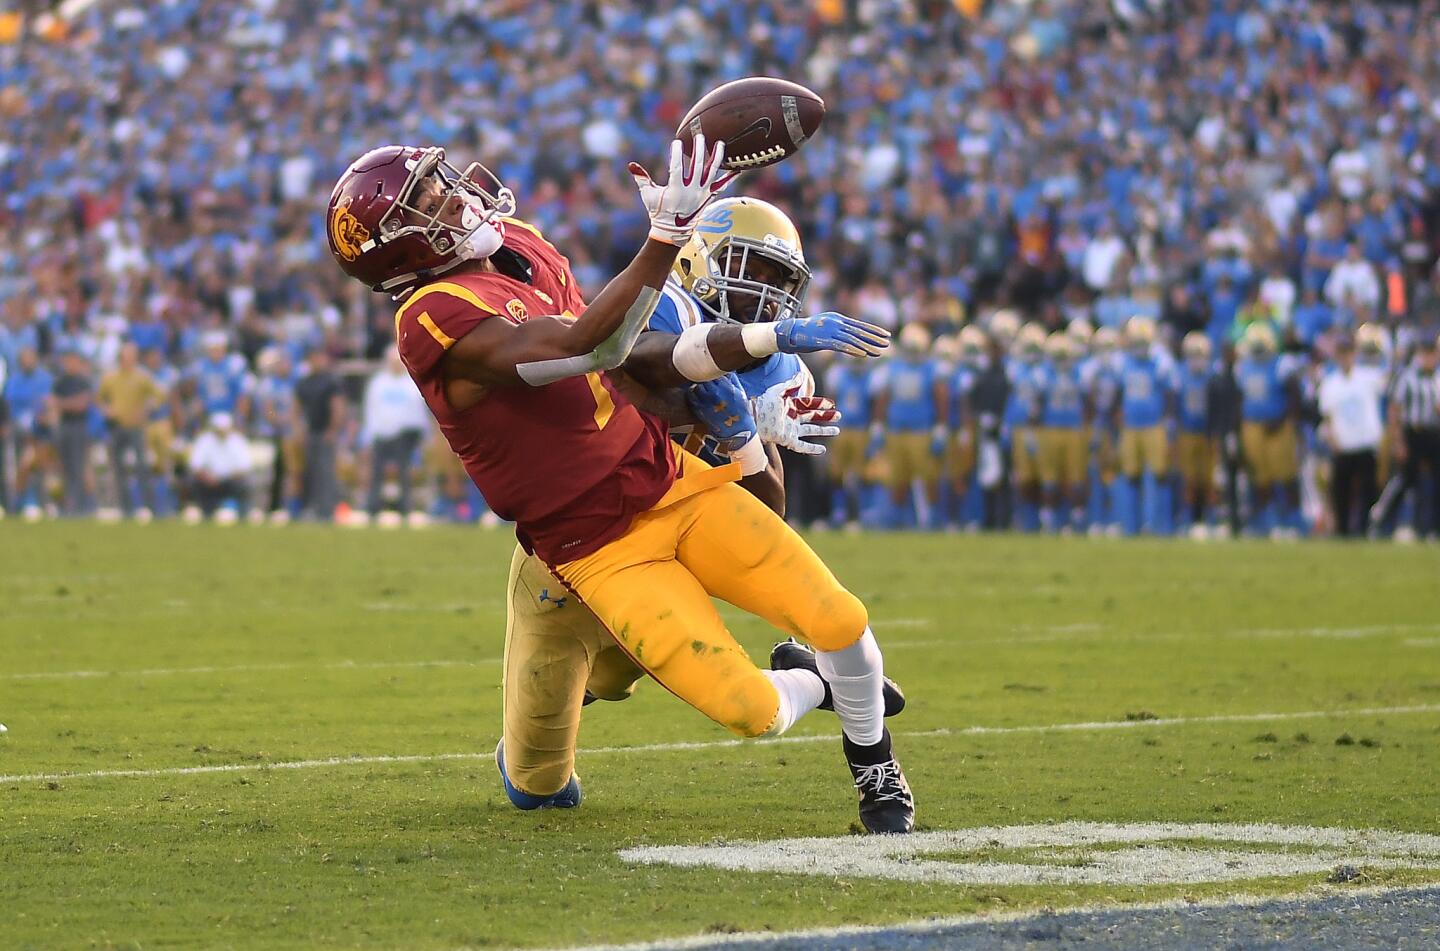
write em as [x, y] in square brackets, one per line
[762, 123]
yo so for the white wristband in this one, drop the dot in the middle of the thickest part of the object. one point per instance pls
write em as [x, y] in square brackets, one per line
[760, 340]
[752, 457]
[692, 356]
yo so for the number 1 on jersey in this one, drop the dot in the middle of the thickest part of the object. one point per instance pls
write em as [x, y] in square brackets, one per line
[604, 405]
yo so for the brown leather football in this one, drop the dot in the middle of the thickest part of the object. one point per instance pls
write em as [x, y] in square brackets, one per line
[762, 120]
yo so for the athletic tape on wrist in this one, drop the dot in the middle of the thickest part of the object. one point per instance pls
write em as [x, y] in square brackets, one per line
[692, 356]
[752, 457]
[760, 340]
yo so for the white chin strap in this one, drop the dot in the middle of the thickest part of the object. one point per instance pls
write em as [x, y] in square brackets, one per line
[484, 240]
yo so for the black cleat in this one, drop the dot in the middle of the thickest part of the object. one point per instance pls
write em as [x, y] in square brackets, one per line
[886, 804]
[793, 655]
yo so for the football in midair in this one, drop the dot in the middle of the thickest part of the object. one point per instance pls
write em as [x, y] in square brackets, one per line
[762, 120]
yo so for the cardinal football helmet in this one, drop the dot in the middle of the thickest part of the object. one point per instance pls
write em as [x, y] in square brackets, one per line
[380, 235]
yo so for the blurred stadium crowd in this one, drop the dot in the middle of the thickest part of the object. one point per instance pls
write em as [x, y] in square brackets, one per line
[1013, 183]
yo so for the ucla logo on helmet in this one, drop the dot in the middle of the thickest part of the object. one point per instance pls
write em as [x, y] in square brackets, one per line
[717, 222]
[517, 310]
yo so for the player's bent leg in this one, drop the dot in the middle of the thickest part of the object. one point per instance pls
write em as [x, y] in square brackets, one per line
[665, 621]
[745, 554]
[551, 640]
[613, 675]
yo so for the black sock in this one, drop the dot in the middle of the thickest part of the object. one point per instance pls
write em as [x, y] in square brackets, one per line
[868, 755]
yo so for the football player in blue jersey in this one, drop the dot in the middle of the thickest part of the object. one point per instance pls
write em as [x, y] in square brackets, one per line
[1195, 452]
[1101, 374]
[1144, 410]
[29, 391]
[277, 422]
[222, 380]
[1269, 408]
[1022, 419]
[847, 382]
[969, 359]
[909, 413]
[1064, 453]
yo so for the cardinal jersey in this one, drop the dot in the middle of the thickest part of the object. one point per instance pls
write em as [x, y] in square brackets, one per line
[571, 463]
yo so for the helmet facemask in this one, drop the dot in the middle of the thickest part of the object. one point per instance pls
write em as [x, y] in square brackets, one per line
[730, 264]
[475, 232]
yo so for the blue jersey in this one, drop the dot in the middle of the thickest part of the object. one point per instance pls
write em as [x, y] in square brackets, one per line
[1192, 393]
[1102, 380]
[274, 398]
[1063, 396]
[219, 384]
[677, 311]
[26, 393]
[848, 383]
[961, 382]
[1264, 396]
[1024, 392]
[910, 387]
[1144, 385]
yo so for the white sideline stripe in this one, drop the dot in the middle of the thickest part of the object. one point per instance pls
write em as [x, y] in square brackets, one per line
[1066, 633]
[921, 926]
[723, 744]
[244, 668]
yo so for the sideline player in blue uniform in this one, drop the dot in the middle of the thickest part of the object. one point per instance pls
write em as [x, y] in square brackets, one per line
[909, 412]
[1269, 408]
[1145, 409]
[1064, 453]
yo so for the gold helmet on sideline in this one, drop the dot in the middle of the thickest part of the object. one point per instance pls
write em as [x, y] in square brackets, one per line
[1081, 331]
[1061, 347]
[973, 343]
[1030, 343]
[947, 347]
[1196, 347]
[1139, 334]
[1106, 340]
[914, 338]
[1259, 340]
[1004, 324]
[744, 264]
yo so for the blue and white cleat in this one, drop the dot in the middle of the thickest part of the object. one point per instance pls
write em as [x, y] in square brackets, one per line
[567, 798]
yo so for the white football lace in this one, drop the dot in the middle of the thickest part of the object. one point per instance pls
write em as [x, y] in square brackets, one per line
[884, 780]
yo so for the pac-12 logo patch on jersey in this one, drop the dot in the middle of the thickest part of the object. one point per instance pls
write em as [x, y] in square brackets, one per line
[517, 310]
[347, 232]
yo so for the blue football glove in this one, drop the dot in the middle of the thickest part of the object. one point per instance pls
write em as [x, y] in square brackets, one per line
[831, 331]
[721, 407]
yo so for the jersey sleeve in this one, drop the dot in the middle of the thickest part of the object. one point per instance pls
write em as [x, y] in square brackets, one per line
[675, 312]
[435, 318]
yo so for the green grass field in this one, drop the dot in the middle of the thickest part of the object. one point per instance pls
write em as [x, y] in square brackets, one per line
[147, 649]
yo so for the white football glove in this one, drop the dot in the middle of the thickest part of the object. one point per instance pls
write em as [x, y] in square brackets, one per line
[675, 206]
[786, 421]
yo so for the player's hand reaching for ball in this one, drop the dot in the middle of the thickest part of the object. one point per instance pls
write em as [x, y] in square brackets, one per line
[694, 180]
[831, 331]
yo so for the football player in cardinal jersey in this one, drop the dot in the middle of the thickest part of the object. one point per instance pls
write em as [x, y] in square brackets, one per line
[519, 372]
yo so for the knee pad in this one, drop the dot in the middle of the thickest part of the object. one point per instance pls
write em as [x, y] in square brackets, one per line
[840, 621]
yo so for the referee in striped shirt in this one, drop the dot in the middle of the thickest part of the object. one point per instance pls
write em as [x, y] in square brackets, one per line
[1415, 434]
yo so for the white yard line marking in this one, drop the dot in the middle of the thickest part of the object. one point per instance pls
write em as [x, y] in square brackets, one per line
[245, 668]
[1065, 853]
[1068, 632]
[923, 926]
[724, 744]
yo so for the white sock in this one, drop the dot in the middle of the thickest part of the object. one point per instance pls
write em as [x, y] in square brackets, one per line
[856, 676]
[800, 692]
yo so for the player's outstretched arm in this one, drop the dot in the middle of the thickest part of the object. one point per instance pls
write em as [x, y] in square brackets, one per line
[538, 352]
[706, 351]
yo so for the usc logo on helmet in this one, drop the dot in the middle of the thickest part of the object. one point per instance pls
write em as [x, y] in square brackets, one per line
[347, 232]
